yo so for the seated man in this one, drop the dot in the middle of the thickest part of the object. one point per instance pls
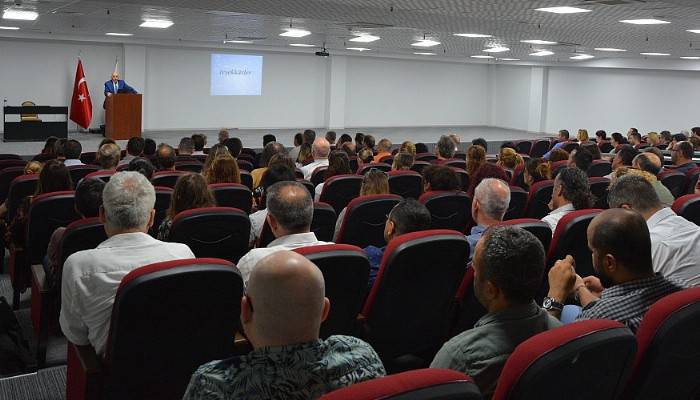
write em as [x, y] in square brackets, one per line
[445, 150]
[571, 192]
[624, 157]
[71, 151]
[165, 157]
[134, 148]
[674, 240]
[198, 141]
[508, 268]
[682, 157]
[91, 277]
[320, 150]
[563, 138]
[108, 156]
[490, 204]
[651, 163]
[580, 158]
[625, 285]
[383, 150]
[406, 217]
[290, 211]
[281, 314]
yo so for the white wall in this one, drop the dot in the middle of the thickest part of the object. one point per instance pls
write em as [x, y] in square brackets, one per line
[511, 93]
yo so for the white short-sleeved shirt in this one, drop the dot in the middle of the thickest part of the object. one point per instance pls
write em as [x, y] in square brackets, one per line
[308, 169]
[91, 278]
[674, 246]
[257, 221]
[553, 217]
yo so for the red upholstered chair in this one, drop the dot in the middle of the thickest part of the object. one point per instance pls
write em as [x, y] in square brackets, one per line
[693, 176]
[244, 165]
[247, 179]
[421, 384]
[322, 225]
[309, 186]
[367, 167]
[318, 175]
[340, 189]
[163, 196]
[426, 157]
[10, 157]
[88, 157]
[387, 160]
[122, 167]
[105, 175]
[189, 166]
[606, 147]
[587, 359]
[570, 146]
[537, 227]
[668, 347]
[676, 182]
[220, 232]
[538, 199]
[345, 270]
[448, 210]
[78, 172]
[599, 168]
[407, 184]
[518, 201]
[461, 155]
[20, 187]
[419, 166]
[364, 220]
[461, 164]
[688, 207]
[7, 175]
[233, 195]
[83, 234]
[463, 178]
[540, 148]
[599, 188]
[558, 166]
[9, 163]
[409, 306]
[523, 146]
[518, 178]
[467, 308]
[167, 178]
[570, 239]
[167, 319]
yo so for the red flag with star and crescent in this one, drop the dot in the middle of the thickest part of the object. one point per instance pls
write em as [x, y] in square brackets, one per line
[81, 105]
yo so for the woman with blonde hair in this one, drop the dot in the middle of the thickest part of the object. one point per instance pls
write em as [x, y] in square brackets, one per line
[509, 159]
[403, 161]
[191, 191]
[224, 169]
[653, 139]
[582, 136]
[374, 182]
[408, 147]
[476, 156]
[216, 151]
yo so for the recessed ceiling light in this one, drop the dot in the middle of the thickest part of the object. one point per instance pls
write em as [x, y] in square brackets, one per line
[365, 38]
[239, 41]
[302, 45]
[357, 48]
[156, 23]
[645, 21]
[582, 57]
[542, 53]
[537, 41]
[473, 35]
[118, 34]
[563, 10]
[509, 59]
[24, 15]
[423, 53]
[9, 28]
[295, 33]
[482, 56]
[694, 30]
[655, 54]
[690, 58]
[425, 43]
[497, 49]
[610, 49]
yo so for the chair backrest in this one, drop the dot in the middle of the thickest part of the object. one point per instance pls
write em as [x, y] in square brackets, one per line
[461, 164]
[570, 146]
[420, 384]
[364, 220]
[10, 162]
[461, 155]
[163, 196]
[558, 166]
[244, 165]
[594, 356]
[189, 166]
[570, 238]
[518, 178]
[368, 167]
[167, 178]
[88, 157]
[676, 182]
[523, 146]
[7, 175]
[467, 310]
[693, 176]
[518, 201]
[20, 187]
[448, 210]
[102, 174]
[340, 189]
[688, 207]
[540, 148]
[78, 172]
[599, 168]
[219, 232]
[6, 156]
[28, 117]
[322, 225]
[537, 227]
[81, 234]
[426, 157]
[233, 195]
[46, 213]
[308, 185]
[599, 189]
[345, 271]
[668, 340]
[318, 175]
[538, 199]
[431, 263]
[419, 166]
[463, 178]
[407, 184]
[196, 304]
[247, 179]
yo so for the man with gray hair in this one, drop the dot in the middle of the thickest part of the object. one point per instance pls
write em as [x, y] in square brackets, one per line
[674, 239]
[491, 200]
[290, 210]
[445, 149]
[91, 277]
[319, 151]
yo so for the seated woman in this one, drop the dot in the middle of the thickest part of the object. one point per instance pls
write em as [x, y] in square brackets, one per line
[224, 169]
[374, 182]
[32, 168]
[191, 191]
[215, 152]
[439, 177]
[338, 164]
[305, 157]
[476, 156]
[403, 161]
[509, 159]
[536, 170]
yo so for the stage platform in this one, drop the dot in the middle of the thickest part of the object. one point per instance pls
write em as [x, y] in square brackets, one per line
[253, 137]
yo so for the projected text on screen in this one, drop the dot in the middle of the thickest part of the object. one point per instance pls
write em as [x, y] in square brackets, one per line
[236, 75]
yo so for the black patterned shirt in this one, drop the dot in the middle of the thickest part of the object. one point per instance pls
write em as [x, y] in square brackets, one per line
[300, 371]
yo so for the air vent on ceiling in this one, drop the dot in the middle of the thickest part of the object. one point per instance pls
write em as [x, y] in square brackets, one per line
[252, 38]
[365, 25]
[611, 2]
[68, 12]
[223, 13]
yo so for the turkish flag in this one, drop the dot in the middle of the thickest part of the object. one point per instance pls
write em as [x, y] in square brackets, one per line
[81, 105]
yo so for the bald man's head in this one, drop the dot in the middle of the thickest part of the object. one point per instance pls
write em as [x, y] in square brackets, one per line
[320, 149]
[648, 162]
[285, 301]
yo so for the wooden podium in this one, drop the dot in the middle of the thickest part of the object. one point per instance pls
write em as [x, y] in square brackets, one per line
[123, 116]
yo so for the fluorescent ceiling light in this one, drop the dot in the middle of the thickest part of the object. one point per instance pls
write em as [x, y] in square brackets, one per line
[609, 49]
[690, 58]
[694, 30]
[302, 45]
[425, 43]
[295, 33]
[24, 15]
[537, 41]
[563, 10]
[357, 48]
[582, 57]
[645, 21]
[655, 54]
[118, 34]
[509, 59]
[239, 41]
[473, 35]
[498, 49]
[365, 38]
[482, 56]
[9, 28]
[542, 53]
[422, 53]
[156, 23]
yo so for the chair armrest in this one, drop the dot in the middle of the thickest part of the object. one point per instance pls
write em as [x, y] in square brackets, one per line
[84, 374]
[40, 299]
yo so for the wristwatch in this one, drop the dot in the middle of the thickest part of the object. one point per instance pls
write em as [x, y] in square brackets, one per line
[550, 304]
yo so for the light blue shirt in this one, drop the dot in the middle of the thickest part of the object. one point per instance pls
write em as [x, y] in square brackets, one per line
[473, 238]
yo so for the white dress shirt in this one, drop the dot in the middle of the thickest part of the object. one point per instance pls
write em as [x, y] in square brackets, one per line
[675, 252]
[71, 162]
[257, 221]
[308, 170]
[317, 191]
[553, 217]
[91, 278]
[289, 242]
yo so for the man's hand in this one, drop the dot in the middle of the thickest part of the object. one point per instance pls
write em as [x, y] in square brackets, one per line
[562, 278]
[593, 285]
